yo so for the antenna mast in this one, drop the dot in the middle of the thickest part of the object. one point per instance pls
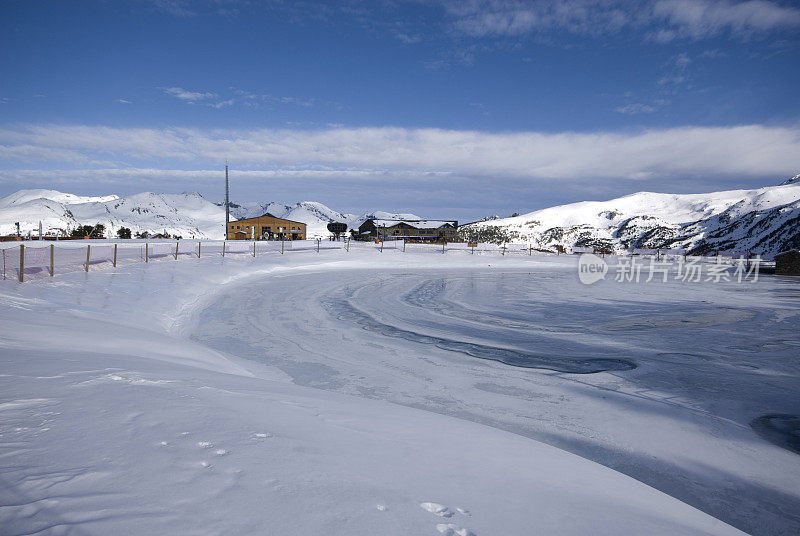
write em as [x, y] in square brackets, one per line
[227, 207]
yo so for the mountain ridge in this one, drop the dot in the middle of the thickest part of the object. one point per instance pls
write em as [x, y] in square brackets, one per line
[188, 214]
[764, 220]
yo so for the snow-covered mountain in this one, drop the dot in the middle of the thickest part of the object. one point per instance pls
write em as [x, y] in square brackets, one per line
[793, 180]
[188, 214]
[315, 215]
[766, 220]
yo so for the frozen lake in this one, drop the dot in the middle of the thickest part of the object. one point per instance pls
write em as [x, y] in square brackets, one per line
[362, 393]
[690, 388]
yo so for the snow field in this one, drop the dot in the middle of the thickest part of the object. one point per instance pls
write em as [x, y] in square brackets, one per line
[132, 402]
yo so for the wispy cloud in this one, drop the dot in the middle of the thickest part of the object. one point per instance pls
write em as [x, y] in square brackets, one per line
[635, 108]
[660, 20]
[223, 104]
[678, 72]
[646, 155]
[675, 79]
[233, 96]
[407, 39]
[187, 95]
[177, 8]
[700, 19]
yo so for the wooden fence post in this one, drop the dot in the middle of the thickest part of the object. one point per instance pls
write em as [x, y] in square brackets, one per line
[530, 251]
[52, 264]
[254, 248]
[115, 255]
[443, 244]
[281, 245]
[347, 246]
[404, 245]
[223, 248]
[318, 241]
[21, 263]
[146, 252]
[198, 249]
[504, 249]
[88, 252]
[177, 242]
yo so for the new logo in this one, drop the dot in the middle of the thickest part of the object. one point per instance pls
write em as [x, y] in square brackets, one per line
[591, 268]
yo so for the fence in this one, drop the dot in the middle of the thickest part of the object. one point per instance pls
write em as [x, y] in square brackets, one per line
[35, 260]
[26, 261]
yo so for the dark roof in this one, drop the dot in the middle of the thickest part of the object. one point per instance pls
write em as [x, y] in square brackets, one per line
[417, 224]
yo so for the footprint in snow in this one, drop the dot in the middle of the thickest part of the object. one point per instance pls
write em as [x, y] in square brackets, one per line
[437, 509]
[463, 512]
[380, 507]
[449, 529]
[261, 435]
[220, 452]
[205, 444]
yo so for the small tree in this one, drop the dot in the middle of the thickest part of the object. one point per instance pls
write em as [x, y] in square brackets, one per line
[123, 232]
[92, 231]
[142, 234]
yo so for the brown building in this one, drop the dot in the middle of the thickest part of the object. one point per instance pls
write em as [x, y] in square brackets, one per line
[266, 227]
[787, 263]
[421, 230]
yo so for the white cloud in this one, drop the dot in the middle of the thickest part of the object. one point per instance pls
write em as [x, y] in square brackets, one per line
[240, 96]
[653, 154]
[222, 104]
[517, 17]
[662, 20]
[189, 96]
[407, 39]
[699, 19]
[112, 175]
[677, 75]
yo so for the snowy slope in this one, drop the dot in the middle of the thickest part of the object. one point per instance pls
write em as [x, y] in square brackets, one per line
[762, 221]
[187, 214]
[23, 196]
[144, 430]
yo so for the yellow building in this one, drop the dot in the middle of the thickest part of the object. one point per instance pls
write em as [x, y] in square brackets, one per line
[266, 227]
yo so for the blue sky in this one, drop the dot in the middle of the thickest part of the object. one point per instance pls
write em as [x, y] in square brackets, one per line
[443, 108]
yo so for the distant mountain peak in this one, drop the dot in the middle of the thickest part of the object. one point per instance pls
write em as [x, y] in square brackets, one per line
[793, 180]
